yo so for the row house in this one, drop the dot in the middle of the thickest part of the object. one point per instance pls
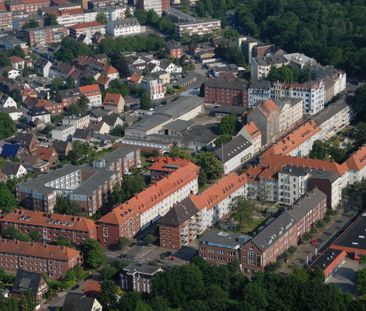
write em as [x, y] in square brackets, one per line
[226, 93]
[259, 91]
[283, 232]
[37, 257]
[50, 226]
[47, 35]
[88, 29]
[148, 206]
[191, 217]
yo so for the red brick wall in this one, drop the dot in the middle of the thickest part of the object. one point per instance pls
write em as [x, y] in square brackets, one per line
[170, 237]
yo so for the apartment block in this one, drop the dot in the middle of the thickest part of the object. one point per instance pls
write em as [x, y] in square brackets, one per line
[88, 29]
[50, 226]
[46, 35]
[155, 87]
[93, 94]
[37, 257]
[164, 166]
[226, 93]
[28, 6]
[6, 20]
[155, 5]
[199, 27]
[251, 132]
[148, 206]
[124, 27]
[78, 121]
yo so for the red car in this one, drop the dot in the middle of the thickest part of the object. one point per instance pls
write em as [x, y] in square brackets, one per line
[314, 242]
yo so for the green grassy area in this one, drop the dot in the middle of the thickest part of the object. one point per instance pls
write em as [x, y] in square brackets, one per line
[250, 225]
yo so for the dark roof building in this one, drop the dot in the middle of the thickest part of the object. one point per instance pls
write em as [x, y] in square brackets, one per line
[80, 302]
[30, 282]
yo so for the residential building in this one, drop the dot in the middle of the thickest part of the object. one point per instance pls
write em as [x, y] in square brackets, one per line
[73, 16]
[199, 27]
[155, 5]
[164, 166]
[313, 94]
[32, 283]
[283, 232]
[14, 170]
[50, 226]
[92, 93]
[266, 117]
[78, 121]
[356, 164]
[114, 102]
[259, 91]
[63, 132]
[147, 206]
[28, 6]
[44, 36]
[87, 29]
[39, 114]
[47, 154]
[334, 118]
[226, 93]
[37, 257]
[124, 27]
[177, 228]
[75, 301]
[6, 20]
[291, 113]
[220, 248]
[154, 87]
[234, 153]
[261, 66]
[137, 277]
[251, 132]
[300, 60]
[174, 49]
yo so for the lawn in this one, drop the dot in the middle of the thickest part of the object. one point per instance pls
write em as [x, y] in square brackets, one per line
[250, 225]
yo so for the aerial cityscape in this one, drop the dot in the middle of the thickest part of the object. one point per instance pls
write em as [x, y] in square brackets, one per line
[189, 155]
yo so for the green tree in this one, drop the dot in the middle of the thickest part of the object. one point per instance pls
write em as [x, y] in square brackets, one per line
[18, 51]
[7, 126]
[7, 199]
[81, 153]
[118, 130]
[93, 253]
[14, 234]
[101, 18]
[145, 101]
[228, 125]
[32, 23]
[131, 184]
[88, 80]
[35, 236]
[121, 64]
[222, 139]
[358, 103]
[360, 281]
[123, 242]
[149, 239]
[118, 87]
[50, 20]
[62, 241]
[318, 151]
[64, 206]
[242, 210]
[210, 165]
[4, 59]
[176, 152]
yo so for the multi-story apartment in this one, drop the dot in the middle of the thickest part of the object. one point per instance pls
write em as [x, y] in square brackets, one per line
[191, 217]
[356, 165]
[155, 5]
[47, 35]
[251, 132]
[88, 186]
[63, 132]
[50, 226]
[199, 28]
[88, 29]
[155, 87]
[313, 94]
[78, 121]
[37, 257]
[334, 118]
[148, 206]
[297, 143]
[28, 6]
[6, 20]
[283, 232]
[164, 166]
[124, 27]
[266, 117]
[291, 112]
[261, 66]
[69, 17]
[259, 91]
[93, 94]
[226, 93]
[221, 248]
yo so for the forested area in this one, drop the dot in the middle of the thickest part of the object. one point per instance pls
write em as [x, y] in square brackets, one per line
[201, 286]
[333, 32]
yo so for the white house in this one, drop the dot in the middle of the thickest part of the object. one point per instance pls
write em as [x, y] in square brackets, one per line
[13, 74]
[155, 87]
[63, 133]
[13, 170]
[124, 27]
[80, 122]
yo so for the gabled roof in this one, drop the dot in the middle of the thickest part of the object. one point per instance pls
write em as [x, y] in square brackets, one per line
[27, 282]
[112, 99]
[179, 213]
[45, 153]
[232, 148]
[10, 150]
[252, 129]
[10, 168]
[357, 160]
[78, 302]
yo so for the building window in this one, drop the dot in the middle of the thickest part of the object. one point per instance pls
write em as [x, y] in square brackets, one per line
[251, 257]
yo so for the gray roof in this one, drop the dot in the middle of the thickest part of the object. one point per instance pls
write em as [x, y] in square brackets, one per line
[88, 186]
[180, 106]
[149, 122]
[118, 154]
[260, 84]
[179, 213]
[204, 134]
[314, 173]
[231, 149]
[78, 302]
[330, 111]
[84, 133]
[294, 170]
[222, 84]
[141, 269]
[125, 22]
[223, 239]
[27, 282]
[305, 204]
[271, 233]
[110, 119]
[270, 60]
[178, 125]
[320, 174]
[10, 168]
[238, 110]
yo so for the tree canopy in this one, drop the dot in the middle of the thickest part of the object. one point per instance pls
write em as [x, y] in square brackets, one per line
[7, 126]
[50, 20]
[93, 253]
[131, 184]
[70, 49]
[210, 165]
[7, 199]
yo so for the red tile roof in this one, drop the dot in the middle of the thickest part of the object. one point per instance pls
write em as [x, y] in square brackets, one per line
[92, 286]
[152, 195]
[86, 25]
[112, 99]
[38, 250]
[219, 191]
[42, 219]
[268, 106]
[91, 89]
[45, 153]
[357, 160]
[168, 164]
[252, 129]
[110, 70]
[293, 140]
[135, 78]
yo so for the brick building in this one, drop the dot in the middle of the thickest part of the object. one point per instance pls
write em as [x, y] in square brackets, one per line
[147, 206]
[165, 166]
[37, 257]
[226, 93]
[28, 6]
[50, 226]
[47, 35]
